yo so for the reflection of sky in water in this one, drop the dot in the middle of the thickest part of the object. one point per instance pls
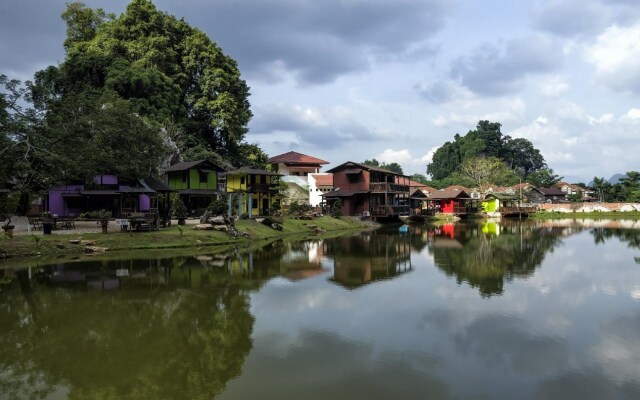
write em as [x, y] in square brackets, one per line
[571, 329]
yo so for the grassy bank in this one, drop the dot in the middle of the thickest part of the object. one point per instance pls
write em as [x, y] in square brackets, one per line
[167, 238]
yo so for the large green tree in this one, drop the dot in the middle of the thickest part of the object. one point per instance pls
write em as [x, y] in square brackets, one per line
[486, 140]
[167, 71]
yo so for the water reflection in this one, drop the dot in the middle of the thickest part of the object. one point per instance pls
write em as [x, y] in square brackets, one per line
[559, 319]
[486, 255]
[166, 335]
[371, 256]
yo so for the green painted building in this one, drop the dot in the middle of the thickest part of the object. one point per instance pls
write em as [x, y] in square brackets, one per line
[494, 201]
[198, 183]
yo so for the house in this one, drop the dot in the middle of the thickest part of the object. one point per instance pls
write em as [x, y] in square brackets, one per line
[296, 169]
[368, 190]
[546, 195]
[450, 201]
[581, 193]
[119, 196]
[498, 204]
[426, 189]
[255, 191]
[197, 182]
[318, 185]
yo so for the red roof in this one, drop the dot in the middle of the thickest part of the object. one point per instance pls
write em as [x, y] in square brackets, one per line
[421, 186]
[293, 157]
[323, 180]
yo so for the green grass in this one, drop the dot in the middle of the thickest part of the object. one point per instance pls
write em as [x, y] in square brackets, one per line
[167, 238]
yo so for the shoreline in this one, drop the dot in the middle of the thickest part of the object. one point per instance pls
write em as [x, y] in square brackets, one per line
[36, 246]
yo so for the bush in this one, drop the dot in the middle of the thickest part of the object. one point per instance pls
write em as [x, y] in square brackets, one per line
[336, 209]
[218, 206]
[297, 208]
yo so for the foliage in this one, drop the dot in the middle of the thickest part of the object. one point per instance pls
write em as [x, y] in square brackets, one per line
[627, 189]
[336, 208]
[299, 208]
[177, 206]
[486, 140]
[218, 206]
[484, 171]
[420, 178]
[393, 167]
[544, 177]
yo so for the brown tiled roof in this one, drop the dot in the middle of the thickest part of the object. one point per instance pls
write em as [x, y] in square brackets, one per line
[293, 157]
[323, 180]
[448, 194]
[415, 184]
[363, 166]
[457, 187]
[551, 191]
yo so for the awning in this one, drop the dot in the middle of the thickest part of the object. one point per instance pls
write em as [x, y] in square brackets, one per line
[99, 193]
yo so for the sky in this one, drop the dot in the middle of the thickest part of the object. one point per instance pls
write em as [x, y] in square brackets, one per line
[349, 80]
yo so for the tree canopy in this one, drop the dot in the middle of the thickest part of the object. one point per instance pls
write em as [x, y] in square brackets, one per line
[486, 140]
[393, 167]
[167, 71]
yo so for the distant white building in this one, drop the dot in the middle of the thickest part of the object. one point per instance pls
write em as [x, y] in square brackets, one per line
[297, 169]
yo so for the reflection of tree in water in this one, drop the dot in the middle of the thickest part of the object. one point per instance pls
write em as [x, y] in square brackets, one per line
[485, 260]
[629, 236]
[143, 340]
[368, 257]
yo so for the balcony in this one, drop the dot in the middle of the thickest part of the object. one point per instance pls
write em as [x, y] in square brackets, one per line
[262, 188]
[388, 187]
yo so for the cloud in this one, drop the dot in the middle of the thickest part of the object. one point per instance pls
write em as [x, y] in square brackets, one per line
[444, 91]
[32, 33]
[566, 18]
[324, 128]
[572, 141]
[466, 114]
[554, 86]
[318, 41]
[406, 160]
[616, 58]
[492, 70]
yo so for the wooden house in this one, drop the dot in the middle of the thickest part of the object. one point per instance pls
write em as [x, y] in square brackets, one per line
[452, 201]
[505, 205]
[198, 183]
[119, 196]
[255, 190]
[546, 195]
[366, 190]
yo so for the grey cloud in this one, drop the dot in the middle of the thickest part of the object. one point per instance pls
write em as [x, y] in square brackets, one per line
[589, 384]
[31, 36]
[491, 70]
[317, 41]
[439, 92]
[331, 134]
[566, 18]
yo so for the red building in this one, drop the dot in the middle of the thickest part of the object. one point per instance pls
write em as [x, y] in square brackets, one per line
[366, 190]
[450, 201]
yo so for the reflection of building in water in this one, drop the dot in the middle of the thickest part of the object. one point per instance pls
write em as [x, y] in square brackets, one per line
[362, 259]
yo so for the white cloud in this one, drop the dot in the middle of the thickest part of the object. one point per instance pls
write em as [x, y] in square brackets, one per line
[555, 86]
[409, 163]
[616, 57]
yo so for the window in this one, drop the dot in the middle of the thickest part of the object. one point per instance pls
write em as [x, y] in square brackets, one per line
[203, 176]
[242, 180]
[185, 175]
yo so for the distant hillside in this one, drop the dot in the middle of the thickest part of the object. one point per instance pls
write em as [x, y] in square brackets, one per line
[616, 178]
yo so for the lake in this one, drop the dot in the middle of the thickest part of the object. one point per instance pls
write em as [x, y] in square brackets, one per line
[479, 310]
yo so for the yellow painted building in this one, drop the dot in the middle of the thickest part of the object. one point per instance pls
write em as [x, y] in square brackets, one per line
[257, 190]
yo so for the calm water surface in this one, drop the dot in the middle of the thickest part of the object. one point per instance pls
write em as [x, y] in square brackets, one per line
[538, 310]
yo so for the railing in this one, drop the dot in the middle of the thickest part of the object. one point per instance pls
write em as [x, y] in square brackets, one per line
[261, 187]
[460, 210]
[384, 211]
[388, 187]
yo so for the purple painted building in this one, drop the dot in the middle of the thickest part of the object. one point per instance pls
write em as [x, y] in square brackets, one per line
[105, 192]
